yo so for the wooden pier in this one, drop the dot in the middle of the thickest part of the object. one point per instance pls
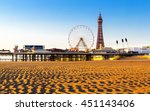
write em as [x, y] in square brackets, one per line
[59, 56]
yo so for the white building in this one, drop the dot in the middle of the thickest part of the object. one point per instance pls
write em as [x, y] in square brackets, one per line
[140, 50]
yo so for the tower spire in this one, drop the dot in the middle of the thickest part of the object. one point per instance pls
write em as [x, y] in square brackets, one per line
[100, 40]
[100, 14]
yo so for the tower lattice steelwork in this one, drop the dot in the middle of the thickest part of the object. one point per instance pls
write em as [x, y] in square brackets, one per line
[100, 40]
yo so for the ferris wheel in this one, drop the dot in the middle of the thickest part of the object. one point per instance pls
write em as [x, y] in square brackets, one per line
[81, 37]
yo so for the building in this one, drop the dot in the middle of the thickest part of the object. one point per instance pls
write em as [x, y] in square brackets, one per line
[57, 50]
[5, 51]
[30, 48]
[104, 50]
[140, 50]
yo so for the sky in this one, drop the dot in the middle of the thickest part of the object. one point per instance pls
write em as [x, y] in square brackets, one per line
[48, 22]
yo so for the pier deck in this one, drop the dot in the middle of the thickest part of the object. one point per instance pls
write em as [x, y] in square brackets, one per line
[59, 56]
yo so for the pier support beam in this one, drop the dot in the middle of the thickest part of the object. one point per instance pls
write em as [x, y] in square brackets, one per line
[12, 57]
[88, 57]
[16, 57]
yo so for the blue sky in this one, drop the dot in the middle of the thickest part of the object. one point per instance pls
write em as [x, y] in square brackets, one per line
[48, 22]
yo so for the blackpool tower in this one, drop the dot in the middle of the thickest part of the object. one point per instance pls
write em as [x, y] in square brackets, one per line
[100, 41]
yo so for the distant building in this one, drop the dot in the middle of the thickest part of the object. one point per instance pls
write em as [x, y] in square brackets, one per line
[143, 50]
[33, 47]
[57, 50]
[146, 49]
[4, 51]
[105, 50]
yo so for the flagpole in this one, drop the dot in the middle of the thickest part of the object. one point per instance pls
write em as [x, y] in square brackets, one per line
[123, 45]
[117, 45]
[127, 43]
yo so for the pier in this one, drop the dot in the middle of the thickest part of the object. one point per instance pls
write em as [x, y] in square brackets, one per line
[59, 56]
